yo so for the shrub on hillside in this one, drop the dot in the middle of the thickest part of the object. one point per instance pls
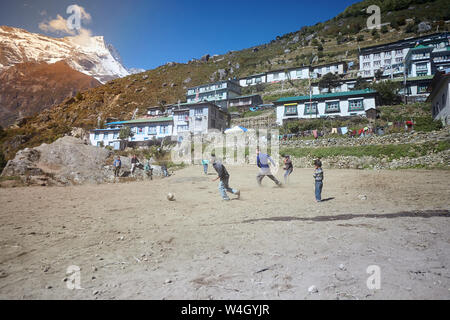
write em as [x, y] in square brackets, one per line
[427, 124]
[411, 28]
[388, 92]
[2, 161]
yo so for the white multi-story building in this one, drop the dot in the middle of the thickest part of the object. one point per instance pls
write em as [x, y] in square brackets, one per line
[198, 118]
[391, 58]
[295, 73]
[338, 104]
[142, 129]
[440, 97]
[218, 92]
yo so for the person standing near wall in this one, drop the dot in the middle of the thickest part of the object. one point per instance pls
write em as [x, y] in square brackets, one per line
[117, 165]
[134, 163]
[288, 167]
[205, 163]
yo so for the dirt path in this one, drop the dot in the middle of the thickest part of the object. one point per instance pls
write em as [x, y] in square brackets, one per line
[130, 242]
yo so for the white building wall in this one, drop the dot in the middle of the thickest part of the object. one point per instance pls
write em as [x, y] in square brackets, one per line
[280, 115]
[106, 137]
[276, 76]
[444, 114]
[368, 102]
[382, 57]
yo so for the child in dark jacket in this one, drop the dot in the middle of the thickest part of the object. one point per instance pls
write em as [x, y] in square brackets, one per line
[224, 177]
[318, 178]
[288, 167]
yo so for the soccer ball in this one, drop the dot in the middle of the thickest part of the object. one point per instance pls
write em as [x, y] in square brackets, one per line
[170, 197]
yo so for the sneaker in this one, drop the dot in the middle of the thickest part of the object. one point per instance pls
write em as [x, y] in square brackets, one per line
[226, 199]
[238, 194]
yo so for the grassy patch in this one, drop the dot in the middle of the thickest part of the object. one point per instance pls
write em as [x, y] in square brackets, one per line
[378, 151]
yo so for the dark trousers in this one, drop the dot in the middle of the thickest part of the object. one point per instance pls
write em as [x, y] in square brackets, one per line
[260, 176]
[116, 171]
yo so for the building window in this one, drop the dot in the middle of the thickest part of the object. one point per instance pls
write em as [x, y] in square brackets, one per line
[377, 56]
[332, 106]
[152, 130]
[387, 53]
[367, 57]
[140, 130]
[290, 110]
[421, 89]
[377, 63]
[198, 111]
[356, 105]
[387, 61]
[422, 67]
[421, 74]
[116, 135]
[183, 128]
[183, 116]
[366, 73]
[399, 52]
[275, 76]
[366, 65]
[399, 60]
[164, 129]
[310, 108]
[249, 81]
[96, 136]
[258, 80]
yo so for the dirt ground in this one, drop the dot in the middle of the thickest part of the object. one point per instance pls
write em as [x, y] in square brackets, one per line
[274, 243]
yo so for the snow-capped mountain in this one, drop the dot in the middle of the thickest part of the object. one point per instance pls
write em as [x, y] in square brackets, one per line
[89, 55]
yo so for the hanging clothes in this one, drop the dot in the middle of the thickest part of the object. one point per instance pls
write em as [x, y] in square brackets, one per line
[334, 130]
[315, 134]
[344, 130]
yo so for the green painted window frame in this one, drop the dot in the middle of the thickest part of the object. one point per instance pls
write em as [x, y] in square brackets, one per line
[327, 105]
[286, 108]
[356, 108]
[307, 104]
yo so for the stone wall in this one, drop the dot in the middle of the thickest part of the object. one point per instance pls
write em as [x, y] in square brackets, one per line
[434, 160]
[395, 138]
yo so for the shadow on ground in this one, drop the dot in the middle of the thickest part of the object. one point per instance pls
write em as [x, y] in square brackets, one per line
[406, 214]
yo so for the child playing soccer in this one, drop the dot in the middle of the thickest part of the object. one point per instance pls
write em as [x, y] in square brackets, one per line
[224, 177]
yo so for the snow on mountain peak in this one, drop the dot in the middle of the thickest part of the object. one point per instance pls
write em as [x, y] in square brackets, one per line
[85, 53]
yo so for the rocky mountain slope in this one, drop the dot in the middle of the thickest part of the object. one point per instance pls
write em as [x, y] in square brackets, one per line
[30, 87]
[89, 55]
[333, 40]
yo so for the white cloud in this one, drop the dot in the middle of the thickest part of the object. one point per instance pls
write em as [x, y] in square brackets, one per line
[59, 25]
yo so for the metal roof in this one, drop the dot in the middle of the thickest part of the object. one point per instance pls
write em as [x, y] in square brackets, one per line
[162, 119]
[328, 95]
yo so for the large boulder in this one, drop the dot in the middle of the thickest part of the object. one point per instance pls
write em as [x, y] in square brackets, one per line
[66, 161]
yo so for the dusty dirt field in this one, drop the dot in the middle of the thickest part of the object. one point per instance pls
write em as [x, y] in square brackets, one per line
[131, 243]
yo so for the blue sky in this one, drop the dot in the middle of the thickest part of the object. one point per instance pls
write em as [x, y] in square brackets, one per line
[151, 33]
